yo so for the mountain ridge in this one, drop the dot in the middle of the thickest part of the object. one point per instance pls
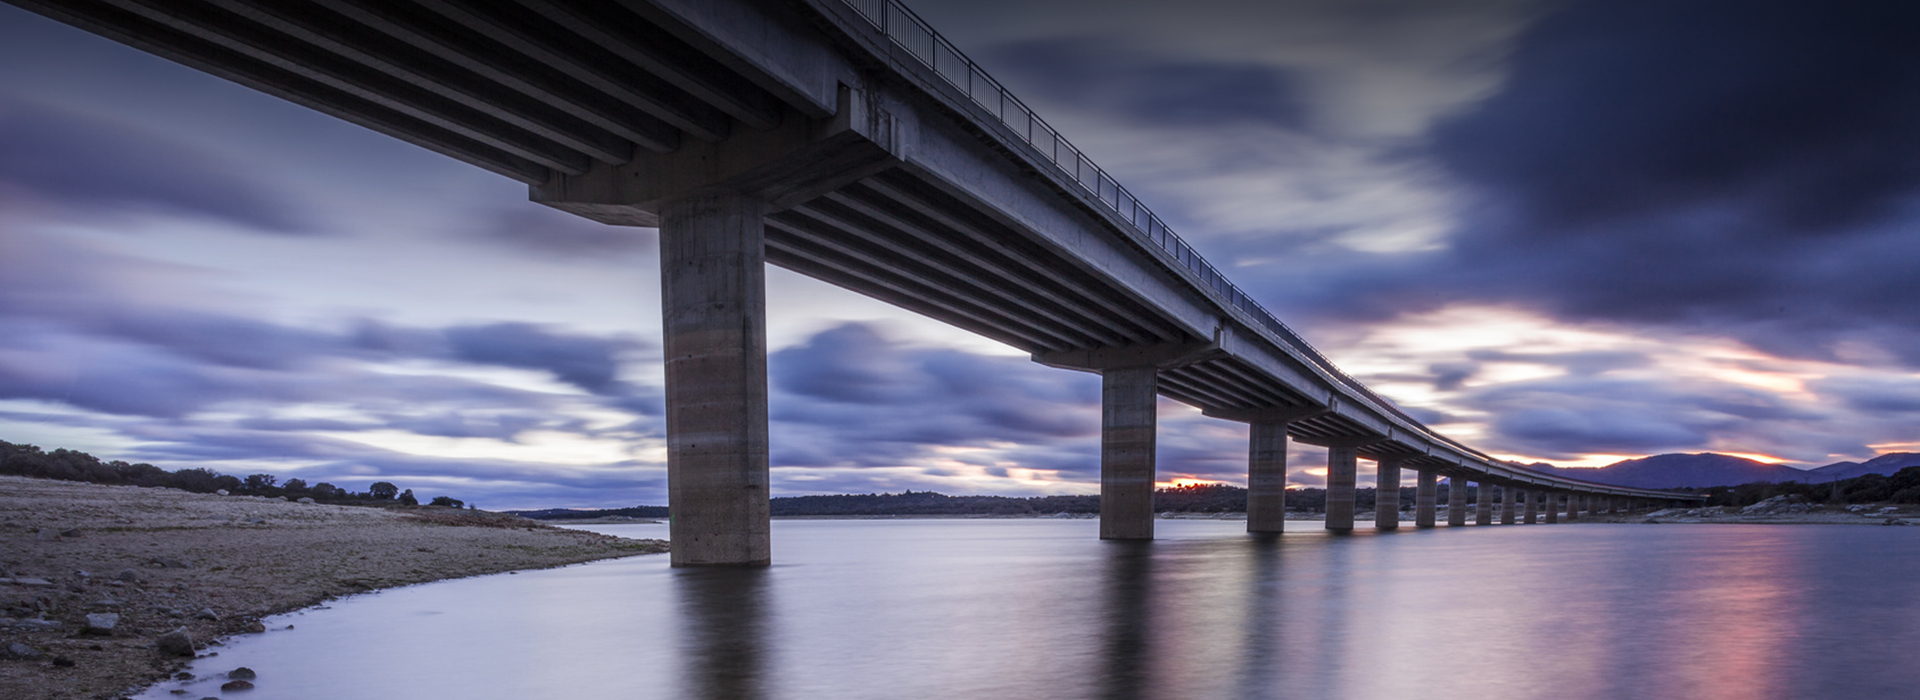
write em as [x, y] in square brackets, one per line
[1707, 469]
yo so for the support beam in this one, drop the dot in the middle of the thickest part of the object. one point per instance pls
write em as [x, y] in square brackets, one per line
[1424, 497]
[1386, 495]
[1509, 497]
[1553, 507]
[1456, 502]
[1342, 471]
[1483, 506]
[1266, 476]
[1127, 424]
[1533, 507]
[713, 298]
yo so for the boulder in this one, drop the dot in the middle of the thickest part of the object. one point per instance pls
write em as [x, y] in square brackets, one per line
[22, 652]
[220, 492]
[242, 674]
[128, 575]
[306, 499]
[207, 614]
[236, 685]
[179, 642]
[102, 623]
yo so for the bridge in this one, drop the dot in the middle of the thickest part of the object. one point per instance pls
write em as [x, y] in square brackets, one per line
[847, 141]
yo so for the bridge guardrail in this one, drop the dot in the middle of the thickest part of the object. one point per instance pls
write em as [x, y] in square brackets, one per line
[910, 32]
[907, 30]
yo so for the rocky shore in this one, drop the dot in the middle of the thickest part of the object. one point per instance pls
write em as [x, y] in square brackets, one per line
[104, 589]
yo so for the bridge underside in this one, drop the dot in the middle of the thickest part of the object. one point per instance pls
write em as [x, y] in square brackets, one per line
[871, 168]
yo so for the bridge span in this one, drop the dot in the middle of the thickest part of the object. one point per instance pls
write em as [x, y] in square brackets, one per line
[847, 141]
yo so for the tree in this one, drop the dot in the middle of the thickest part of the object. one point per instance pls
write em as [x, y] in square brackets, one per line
[383, 490]
[447, 501]
[295, 485]
[259, 482]
[407, 499]
[324, 490]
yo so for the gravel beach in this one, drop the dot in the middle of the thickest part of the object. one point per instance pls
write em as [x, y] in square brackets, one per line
[94, 578]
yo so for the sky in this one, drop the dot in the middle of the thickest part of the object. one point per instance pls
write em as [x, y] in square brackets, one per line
[1573, 232]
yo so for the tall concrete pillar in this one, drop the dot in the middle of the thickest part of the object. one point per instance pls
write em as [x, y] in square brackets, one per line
[713, 299]
[1424, 497]
[1342, 471]
[1509, 499]
[1456, 501]
[1128, 399]
[1573, 507]
[1533, 507]
[1266, 476]
[1386, 495]
[1483, 506]
[1553, 507]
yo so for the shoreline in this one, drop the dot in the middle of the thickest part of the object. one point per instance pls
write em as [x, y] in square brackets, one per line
[92, 577]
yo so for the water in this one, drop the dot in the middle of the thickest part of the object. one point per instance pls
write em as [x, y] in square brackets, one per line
[1041, 609]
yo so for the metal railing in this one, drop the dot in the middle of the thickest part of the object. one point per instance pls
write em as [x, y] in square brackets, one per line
[909, 32]
[934, 51]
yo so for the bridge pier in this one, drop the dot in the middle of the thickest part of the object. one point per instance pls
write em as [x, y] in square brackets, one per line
[1532, 499]
[1573, 507]
[1483, 505]
[1424, 496]
[1342, 472]
[1552, 507]
[1509, 499]
[1386, 495]
[713, 299]
[1456, 502]
[1267, 476]
[1128, 403]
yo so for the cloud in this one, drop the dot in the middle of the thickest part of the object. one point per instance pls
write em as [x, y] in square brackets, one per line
[587, 362]
[95, 165]
[1125, 82]
[557, 234]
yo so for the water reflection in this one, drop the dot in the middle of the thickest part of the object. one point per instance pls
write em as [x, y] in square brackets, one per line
[1127, 646]
[723, 611]
[1260, 652]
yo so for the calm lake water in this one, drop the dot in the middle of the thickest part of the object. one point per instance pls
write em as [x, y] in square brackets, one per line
[1042, 609]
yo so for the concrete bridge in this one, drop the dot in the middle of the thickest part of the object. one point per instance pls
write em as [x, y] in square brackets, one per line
[845, 140]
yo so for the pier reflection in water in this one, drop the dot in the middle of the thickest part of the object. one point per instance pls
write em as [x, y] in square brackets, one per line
[1038, 608]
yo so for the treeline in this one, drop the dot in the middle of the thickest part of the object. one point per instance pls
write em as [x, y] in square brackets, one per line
[1198, 498]
[1902, 487]
[72, 465]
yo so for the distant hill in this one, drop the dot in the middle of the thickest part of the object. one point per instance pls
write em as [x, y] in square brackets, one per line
[1887, 464]
[1672, 471]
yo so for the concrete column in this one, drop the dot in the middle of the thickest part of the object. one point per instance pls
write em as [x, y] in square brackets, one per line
[713, 299]
[1456, 502]
[1483, 506]
[1553, 507]
[1386, 495]
[1509, 499]
[1128, 399]
[1266, 476]
[1424, 497]
[1573, 507]
[1342, 471]
[1533, 507]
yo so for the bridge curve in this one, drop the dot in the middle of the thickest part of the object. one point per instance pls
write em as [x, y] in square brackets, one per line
[848, 141]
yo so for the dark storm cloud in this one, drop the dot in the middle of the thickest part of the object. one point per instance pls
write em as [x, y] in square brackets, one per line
[103, 166]
[1110, 77]
[849, 396]
[588, 362]
[1876, 396]
[1743, 168]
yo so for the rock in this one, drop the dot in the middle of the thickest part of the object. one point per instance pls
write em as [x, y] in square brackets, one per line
[220, 492]
[36, 625]
[179, 642]
[306, 499]
[183, 676]
[166, 563]
[70, 532]
[242, 674]
[207, 614]
[128, 575]
[23, 652]
[101, 623]
[236, 685]
[47, 534]
[32, 582]
[63, 662]
[256, 627]
[1894, 521]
